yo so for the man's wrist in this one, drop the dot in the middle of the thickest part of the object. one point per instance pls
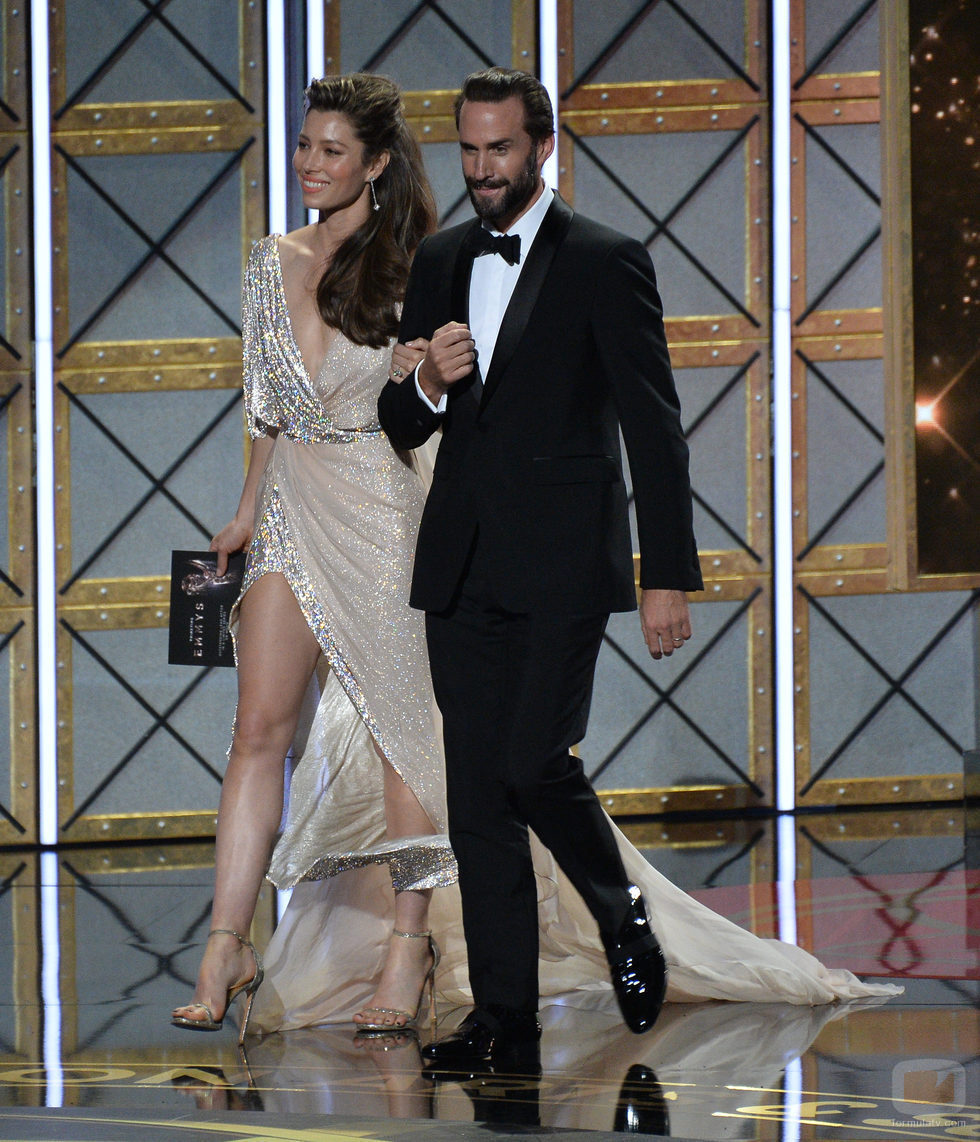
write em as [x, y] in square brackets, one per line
[438, 400]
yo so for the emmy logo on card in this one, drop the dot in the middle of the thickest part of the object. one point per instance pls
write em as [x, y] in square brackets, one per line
[201, 604]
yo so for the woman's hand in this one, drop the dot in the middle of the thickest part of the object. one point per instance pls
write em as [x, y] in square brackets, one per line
[404, 358]
[232, 538]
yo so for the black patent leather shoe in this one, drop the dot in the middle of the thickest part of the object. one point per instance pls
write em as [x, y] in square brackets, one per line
[482, 1035]
[637, 967]
[506, 1095]
[518, 1064]
[642, 1107]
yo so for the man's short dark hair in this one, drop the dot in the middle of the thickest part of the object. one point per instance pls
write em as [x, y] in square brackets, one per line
[497, 84]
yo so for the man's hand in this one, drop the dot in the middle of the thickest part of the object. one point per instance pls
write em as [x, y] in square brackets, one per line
[449, 358]
[666, 621]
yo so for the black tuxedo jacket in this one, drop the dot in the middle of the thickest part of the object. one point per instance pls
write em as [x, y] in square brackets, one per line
[531, 457]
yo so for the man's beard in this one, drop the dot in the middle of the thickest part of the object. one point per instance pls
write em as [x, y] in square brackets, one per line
[517, 194]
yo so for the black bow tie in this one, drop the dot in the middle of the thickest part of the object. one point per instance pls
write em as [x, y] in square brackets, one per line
[481, 241]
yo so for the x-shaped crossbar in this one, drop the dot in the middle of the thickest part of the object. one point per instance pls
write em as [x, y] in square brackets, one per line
[691, 430]
[138, 940]
[157, 247]
[409, 21]
[157, 483]
[5, 813]
[629, 27]
[160, 721]
[868, 241]
[661, 226]
[845, 506]
[834, 42]
[4, 577]
[895, 684]
[899, 929]
[154, 13]
[665, 698]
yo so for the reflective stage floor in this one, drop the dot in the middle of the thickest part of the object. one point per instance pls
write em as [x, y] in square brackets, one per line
[94, 951]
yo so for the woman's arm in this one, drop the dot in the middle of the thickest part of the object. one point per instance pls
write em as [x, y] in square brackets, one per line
[237, 535]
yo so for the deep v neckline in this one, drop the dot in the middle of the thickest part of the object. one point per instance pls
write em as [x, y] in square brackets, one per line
[311, 377]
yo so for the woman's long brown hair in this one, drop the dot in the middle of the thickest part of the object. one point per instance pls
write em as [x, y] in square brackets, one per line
[362, 288]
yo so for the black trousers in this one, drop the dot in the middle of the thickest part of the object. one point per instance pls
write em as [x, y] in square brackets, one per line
[514, 691]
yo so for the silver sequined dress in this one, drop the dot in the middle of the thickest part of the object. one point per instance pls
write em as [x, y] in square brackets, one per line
[337, 512]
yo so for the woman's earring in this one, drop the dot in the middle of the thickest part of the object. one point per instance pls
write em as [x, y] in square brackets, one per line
[375, 205]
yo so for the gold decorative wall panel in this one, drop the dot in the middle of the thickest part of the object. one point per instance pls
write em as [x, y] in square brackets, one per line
[663, 120]
[885, 682]
[20, 1036]
[158, 161]
[18, 779]
[157, 191]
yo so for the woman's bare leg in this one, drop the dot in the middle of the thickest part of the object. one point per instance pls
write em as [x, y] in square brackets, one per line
[395, 1053]
[408, 961]
[277, 653]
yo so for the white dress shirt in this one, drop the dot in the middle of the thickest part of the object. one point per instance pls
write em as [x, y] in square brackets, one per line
[491, 286]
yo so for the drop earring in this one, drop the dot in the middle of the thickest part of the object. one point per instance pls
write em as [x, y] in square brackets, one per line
[375, 205]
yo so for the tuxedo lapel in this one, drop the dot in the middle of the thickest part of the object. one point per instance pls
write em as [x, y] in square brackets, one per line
[539, 258]
[459, 298]
[459, 301]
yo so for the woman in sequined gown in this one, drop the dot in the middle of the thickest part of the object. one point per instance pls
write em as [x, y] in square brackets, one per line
[331, 661]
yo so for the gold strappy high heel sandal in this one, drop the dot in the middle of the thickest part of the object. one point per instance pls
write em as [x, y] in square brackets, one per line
[248, 987]
[371, 1029]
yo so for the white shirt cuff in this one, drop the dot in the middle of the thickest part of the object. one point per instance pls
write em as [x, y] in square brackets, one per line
[443, 400]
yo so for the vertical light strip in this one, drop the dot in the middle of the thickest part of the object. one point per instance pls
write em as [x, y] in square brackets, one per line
[275, 114]
[786, 877]
[315, 38]
[316, 64]
[47, 672]
[47, 665]
[782, 395]
[548, 74]
[45, 554]
[51, 971]
[792, 1095]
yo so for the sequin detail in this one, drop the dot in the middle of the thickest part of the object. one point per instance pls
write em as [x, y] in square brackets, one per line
[415, 864]
[337, 513]
[271, 551]
[271, 356]
[325, 433]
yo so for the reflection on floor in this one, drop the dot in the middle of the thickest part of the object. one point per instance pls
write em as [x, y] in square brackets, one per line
[97, 944]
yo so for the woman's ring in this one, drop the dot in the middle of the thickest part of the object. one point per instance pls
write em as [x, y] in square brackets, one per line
[396, 372]
[678, 642]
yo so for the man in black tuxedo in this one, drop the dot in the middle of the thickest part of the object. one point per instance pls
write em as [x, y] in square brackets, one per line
[543, 335]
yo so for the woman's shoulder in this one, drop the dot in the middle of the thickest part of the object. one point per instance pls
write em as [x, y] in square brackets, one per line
[264, 245]
[297, 251]
[279, 255]
[299, 242]
[263, 253]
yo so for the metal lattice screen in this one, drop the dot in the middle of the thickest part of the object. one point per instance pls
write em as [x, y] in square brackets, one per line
[886, 696]
[671, 147]
[158, 157]
[158, 128]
